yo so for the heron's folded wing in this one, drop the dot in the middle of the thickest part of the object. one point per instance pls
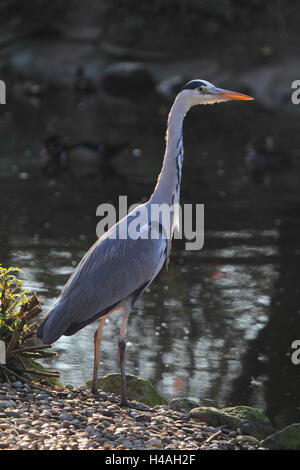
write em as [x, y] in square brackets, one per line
[111, 270]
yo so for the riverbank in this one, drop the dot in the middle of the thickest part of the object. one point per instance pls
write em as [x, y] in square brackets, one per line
[33, 418]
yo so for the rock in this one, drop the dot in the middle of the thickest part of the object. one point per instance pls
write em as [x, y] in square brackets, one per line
[13, 413]
[286, 439]
[153, 442]
[208, 414]
[251, 439]
[137, 388]
[255, 423]
[17, 384]
[184, 405]
[250, 421]
[65, 417]
[127, 78]
[43, 396]
[140, 418]
[6, 404]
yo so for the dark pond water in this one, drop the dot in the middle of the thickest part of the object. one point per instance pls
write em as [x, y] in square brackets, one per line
[219, 324]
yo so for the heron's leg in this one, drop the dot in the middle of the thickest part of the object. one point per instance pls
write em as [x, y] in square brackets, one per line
[97, 342]
[121, 349]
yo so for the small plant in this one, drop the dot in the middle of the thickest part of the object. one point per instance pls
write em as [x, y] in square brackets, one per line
[19, 309]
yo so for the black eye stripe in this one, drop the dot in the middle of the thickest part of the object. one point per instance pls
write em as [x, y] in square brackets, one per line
[192, 85]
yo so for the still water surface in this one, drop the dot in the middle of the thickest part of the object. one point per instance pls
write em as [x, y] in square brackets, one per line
[216, 326]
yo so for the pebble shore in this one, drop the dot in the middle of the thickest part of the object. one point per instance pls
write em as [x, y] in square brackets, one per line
[40, 419]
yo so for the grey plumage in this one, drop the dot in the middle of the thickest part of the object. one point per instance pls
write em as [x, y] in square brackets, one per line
[112, 270]
[115, 271]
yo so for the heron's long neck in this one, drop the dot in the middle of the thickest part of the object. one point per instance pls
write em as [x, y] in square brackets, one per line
[167, 189]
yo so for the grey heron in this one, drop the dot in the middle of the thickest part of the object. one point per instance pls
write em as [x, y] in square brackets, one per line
[116, 270]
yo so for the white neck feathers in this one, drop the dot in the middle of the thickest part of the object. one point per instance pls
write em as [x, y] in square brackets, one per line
[167, 189]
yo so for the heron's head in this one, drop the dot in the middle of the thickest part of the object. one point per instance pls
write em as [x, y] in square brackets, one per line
[203, 92]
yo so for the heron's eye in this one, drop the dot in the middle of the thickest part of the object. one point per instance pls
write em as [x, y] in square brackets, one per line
[201, 88]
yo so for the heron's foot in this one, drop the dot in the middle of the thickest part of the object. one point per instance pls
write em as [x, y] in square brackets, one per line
[95, 391]
[126, 404]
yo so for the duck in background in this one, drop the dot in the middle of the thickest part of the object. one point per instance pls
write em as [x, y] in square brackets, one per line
[262, 158]
[81, 159]
[53, 155]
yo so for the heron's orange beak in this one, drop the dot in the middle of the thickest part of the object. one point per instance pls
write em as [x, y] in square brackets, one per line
[233, 95]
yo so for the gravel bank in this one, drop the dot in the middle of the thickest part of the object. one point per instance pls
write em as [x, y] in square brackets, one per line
[40, 419]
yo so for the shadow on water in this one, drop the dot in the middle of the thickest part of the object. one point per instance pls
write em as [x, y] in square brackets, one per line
[219, 324]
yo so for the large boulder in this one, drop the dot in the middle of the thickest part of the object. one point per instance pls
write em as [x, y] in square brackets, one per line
[286, 439]
[249, 420]
[138, 389]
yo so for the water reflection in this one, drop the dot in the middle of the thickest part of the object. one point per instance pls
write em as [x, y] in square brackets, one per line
[268, 354]
[218, 325]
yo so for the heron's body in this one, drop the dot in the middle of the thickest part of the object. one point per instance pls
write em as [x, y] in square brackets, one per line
[117, 269]
[114, 269]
